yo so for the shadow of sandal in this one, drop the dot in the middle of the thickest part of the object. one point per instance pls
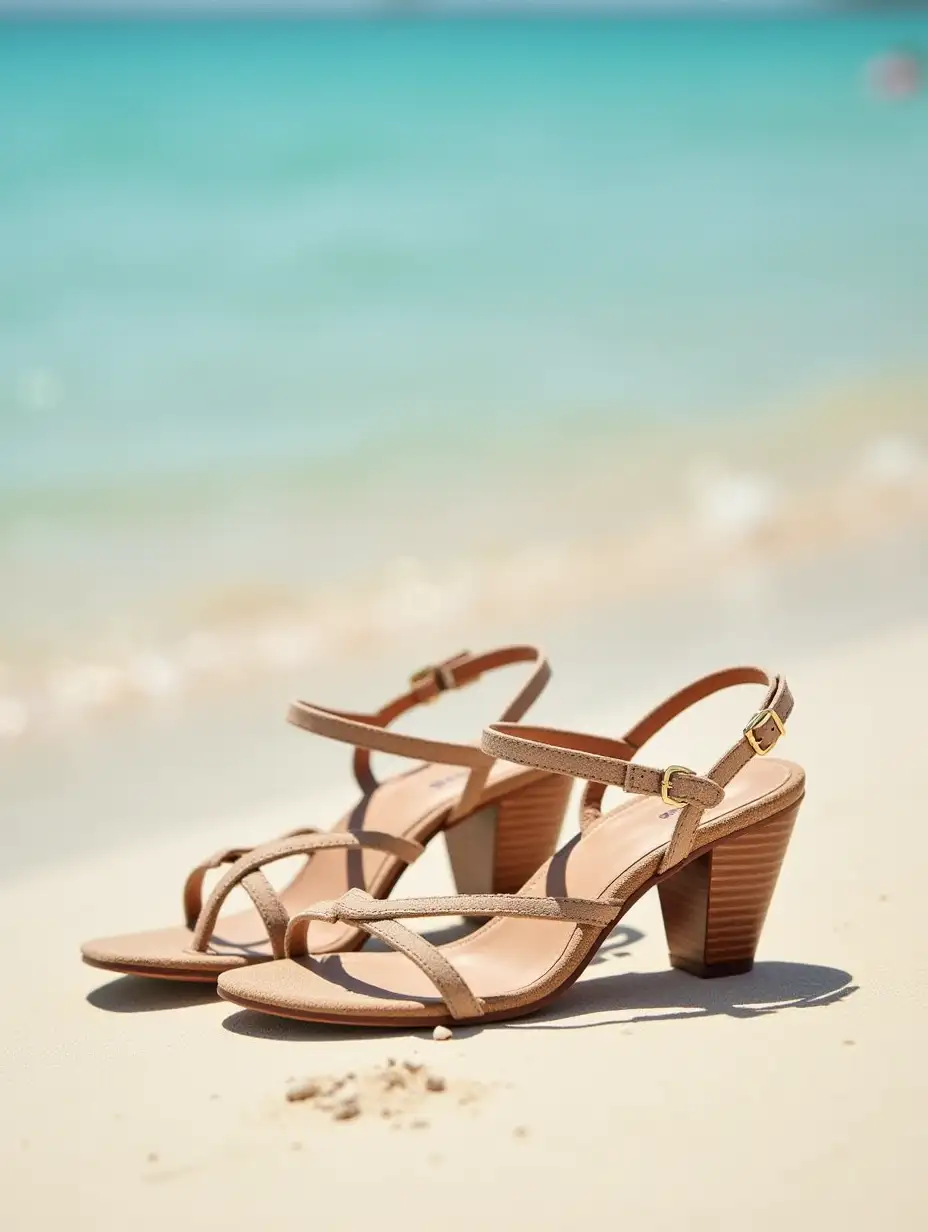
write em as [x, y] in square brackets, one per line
[271, 1027]
[768, 989]
[661, 996]
[443, 935]
[136, 994]
[616, 944]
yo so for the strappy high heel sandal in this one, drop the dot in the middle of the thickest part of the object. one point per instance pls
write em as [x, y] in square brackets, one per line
[711, 843]
[500, 821]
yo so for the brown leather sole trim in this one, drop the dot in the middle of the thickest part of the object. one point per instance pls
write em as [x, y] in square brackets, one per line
[156, 973]
[401, 1024]
[445, 1019]
[712, 971]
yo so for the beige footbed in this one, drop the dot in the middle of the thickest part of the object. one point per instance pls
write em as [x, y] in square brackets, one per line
[515, 965]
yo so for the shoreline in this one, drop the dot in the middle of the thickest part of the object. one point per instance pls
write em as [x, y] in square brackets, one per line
[611, 529]
[178, 767]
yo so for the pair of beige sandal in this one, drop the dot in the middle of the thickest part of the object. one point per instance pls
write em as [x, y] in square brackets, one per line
[712, 844]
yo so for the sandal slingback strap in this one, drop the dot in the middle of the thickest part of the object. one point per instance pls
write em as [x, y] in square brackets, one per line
[367, 732]
[604, 762]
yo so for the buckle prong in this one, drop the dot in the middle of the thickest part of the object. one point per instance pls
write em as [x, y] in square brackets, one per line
[761, 717]
[423, 676]
[440, 674]
[665, 784]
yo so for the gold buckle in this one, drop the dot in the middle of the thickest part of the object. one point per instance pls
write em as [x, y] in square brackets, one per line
[423, 675]
[761, 717]
[440, 674]
[665, 784]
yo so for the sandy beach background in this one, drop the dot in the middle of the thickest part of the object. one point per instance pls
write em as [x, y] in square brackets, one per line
[328, 349]
[795, 1093]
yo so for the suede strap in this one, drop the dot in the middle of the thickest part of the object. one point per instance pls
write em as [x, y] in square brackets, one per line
[245, 872]
[381, 919]
[368, 732]
[606, 762]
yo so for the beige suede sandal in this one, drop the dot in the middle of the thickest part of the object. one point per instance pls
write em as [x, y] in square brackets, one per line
[712, 844]
[500, 821]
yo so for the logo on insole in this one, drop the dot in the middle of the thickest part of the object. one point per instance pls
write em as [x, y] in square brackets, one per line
[448, 778]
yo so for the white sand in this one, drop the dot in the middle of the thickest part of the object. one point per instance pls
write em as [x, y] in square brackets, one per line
[645, 1098]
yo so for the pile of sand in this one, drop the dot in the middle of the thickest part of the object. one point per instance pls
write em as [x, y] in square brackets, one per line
[400, 1091]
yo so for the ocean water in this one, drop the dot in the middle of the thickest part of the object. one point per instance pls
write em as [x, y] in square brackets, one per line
[315, 333]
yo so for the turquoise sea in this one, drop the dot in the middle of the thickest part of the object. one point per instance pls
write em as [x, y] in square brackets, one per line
[314, 331]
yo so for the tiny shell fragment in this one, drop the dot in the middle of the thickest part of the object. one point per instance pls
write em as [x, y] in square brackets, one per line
[347, 1109]
[307, 1089]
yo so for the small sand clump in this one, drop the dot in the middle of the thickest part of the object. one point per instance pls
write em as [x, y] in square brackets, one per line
[307, 1089]
[393, 1092]
[346, 1109]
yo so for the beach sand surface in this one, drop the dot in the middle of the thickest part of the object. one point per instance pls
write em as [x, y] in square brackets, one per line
[644, 1097]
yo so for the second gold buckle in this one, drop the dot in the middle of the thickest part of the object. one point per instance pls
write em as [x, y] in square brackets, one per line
[761, 717]
[421, 676]
[441, 675]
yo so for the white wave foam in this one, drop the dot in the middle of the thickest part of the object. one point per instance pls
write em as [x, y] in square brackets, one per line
[735, 506]
[735, 525]
[87, 686]
[153, 675]
[892, 461]
[14, 717]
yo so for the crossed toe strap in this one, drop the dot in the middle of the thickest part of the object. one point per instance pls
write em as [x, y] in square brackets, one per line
[381, 919]
[246, 864]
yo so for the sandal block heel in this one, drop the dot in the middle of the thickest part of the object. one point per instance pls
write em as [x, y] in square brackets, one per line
[714, 908]
[496, 849]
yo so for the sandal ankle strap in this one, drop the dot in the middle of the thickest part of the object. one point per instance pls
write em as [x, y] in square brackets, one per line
[598, 759]
[368, 732]
[605, 762]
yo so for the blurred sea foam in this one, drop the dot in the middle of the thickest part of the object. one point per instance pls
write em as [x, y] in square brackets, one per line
[316, 336]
